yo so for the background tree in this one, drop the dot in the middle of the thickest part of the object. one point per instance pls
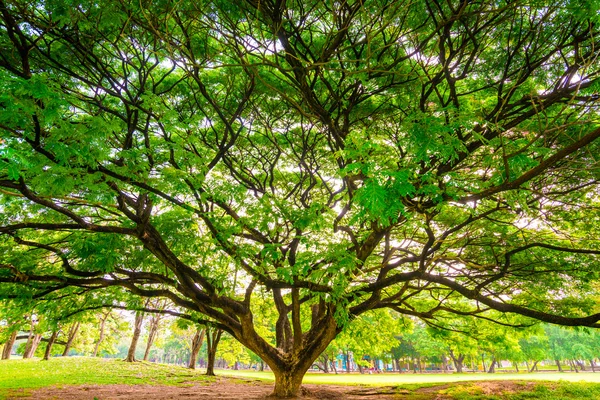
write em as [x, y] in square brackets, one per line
[342, 157]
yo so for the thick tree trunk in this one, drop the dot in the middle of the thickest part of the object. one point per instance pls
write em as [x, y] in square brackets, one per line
[50, 344]
[558, 365]
[212, 341]
[103, 319]
[290, 366]
[70, 337]
[32, 345]
[196, 346]
[137, 330]
[287, 383]
[457, 361]
[154, 324]
[9, 345]
[492, 368]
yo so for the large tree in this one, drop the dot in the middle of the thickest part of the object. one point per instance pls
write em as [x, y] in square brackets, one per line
[338, 157]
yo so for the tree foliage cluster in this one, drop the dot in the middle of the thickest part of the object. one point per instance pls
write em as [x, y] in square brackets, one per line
[321, 159]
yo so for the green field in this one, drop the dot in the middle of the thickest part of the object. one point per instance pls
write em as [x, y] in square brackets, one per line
[33, 373]
[410, 378]
[19, 377]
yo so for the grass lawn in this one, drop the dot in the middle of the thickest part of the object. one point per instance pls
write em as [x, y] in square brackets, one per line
[33, 373]
[410, 378]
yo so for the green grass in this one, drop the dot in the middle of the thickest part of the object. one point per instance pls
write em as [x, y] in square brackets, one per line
[33, 373]
[410, 378]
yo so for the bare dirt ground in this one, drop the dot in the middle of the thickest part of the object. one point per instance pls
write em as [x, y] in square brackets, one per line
[240, 389]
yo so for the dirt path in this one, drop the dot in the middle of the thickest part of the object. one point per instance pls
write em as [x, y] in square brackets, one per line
[222, 389]
[243, 389]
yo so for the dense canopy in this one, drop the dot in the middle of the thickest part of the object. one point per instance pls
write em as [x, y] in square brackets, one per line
[318, 158]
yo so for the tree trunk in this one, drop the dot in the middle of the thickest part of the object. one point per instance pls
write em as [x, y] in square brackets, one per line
[457, 361]
[398, 366]
[32, 345]
[581, 365]
[444, 363]
[492, 368]
[137, 330]
[70, 337]
[8, 346]
[533, 366]
[325, 361]
[558, 365]
[50, 344]
[574, 366]
[154, 324]
[348, 366]
[262, 366]
[212, 341]
[196, 346]
[483, 362]
[287, 383]
[592, 365]
[103, 319]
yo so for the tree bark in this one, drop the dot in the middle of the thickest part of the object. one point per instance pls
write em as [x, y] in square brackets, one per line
[574, 366]
[9, 345]
[287, 383]
[592, 365]
[137, 330]
[103, 319]
[70, 337]
[457, 361]
[154, 324]
[196, 346]
[492, 368]
[212, 341]
[348, 366]
[32, 345]
[325, 362]
[558, 365]
[334, 365]
[444, 363]
[533, 366]
[50, 344]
